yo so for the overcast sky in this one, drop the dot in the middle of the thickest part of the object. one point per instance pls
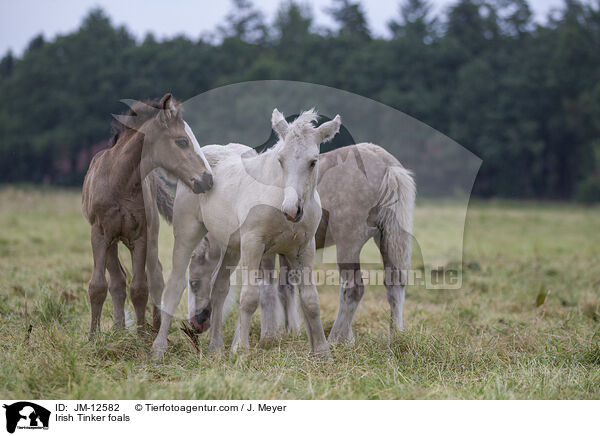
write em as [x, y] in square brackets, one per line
[20, 20]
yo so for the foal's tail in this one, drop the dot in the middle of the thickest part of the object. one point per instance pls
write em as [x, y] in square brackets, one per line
[164, 198]
[396, 203]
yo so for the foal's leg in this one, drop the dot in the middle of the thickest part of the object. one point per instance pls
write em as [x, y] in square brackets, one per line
[268, 300]
[309, 300]
[188, 233]
[117, 285]
[351, 292]
[156, 282]
[220, 288]
[138, 290]
[155, 276]
[287, 296]
[395, 287]
[251, 255]
[98, 288]
[396, 263]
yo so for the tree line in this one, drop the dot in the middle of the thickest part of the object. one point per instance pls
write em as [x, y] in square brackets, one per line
[521, 94]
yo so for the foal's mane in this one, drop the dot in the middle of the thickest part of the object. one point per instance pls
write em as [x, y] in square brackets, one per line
[140, 111]
[306, 121]
[303, 123]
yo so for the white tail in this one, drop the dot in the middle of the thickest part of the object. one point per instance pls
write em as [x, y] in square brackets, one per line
[396, 202]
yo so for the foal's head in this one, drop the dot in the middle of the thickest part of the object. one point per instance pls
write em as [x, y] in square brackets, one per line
[205, 259]
[169, 143]
[298, 152]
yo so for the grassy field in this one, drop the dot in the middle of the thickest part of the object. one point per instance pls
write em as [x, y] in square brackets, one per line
[490, 340]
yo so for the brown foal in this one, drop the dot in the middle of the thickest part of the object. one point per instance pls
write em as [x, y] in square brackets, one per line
[152, 134]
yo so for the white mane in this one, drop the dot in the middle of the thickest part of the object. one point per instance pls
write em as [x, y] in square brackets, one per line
[303, 125]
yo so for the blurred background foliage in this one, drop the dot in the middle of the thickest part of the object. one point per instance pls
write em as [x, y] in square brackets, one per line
[522, 95]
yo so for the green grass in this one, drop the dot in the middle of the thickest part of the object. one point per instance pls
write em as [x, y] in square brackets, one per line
[487, 340]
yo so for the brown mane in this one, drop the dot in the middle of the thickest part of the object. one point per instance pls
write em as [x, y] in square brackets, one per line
[141, 111]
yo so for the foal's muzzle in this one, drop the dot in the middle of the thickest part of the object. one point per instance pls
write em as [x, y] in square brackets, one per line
[203, 184]
[201, 321]
[297, 216]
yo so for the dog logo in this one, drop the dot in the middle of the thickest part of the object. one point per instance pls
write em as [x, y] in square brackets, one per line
[26, 415]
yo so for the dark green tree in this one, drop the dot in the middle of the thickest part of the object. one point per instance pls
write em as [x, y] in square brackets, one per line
[415, 21]
[293, 23]
[524, 96]
[7, 64]
[351, 19]
[245, 22]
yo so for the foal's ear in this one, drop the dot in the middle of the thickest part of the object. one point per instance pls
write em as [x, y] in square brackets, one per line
[206, 248]
[328, 130]
[279, 123]
[203, 251]
[168, 108]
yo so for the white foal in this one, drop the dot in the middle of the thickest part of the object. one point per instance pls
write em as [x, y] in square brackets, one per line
[260, 204]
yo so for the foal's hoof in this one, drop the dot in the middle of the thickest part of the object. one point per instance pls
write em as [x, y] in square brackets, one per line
[293, 332]
[237, 348]
[268, 341]
[336, 337]
[158, 350]
[323, 352]
[396, 333]
[216, 349]
[117, 326]
[158, 355]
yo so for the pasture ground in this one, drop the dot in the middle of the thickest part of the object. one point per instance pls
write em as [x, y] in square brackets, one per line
[489, 340]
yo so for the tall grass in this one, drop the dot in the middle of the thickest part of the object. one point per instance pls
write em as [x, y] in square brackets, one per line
[488, 340]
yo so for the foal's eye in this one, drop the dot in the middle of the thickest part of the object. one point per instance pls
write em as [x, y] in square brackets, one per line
[313, 163]
[195, 284]
[182, 143]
